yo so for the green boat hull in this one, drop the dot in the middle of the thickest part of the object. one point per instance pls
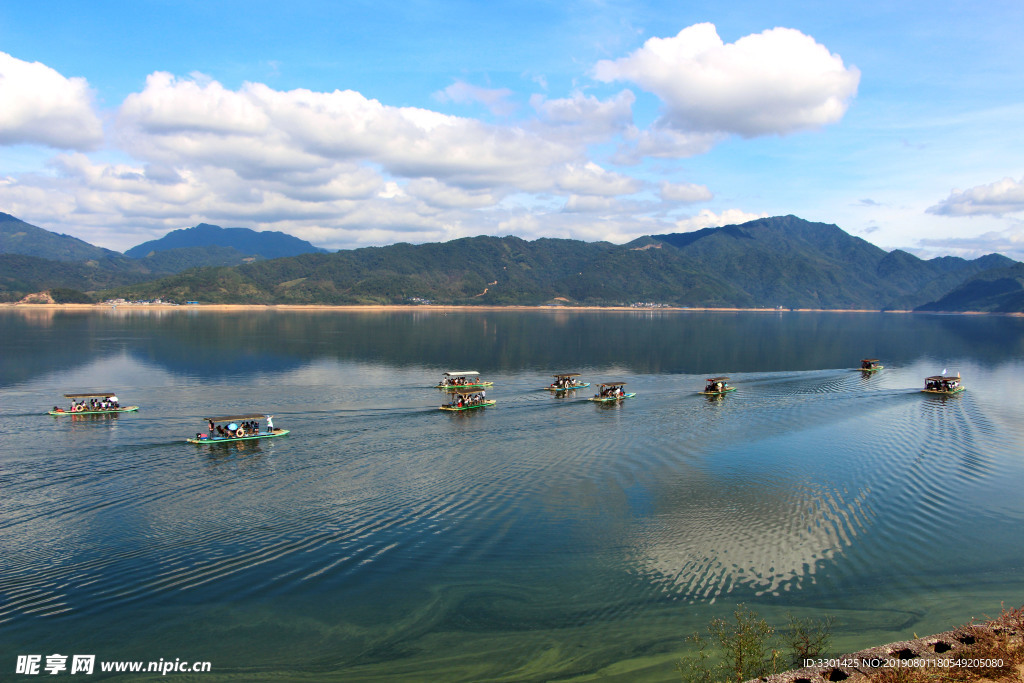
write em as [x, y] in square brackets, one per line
[717, 393]
[941, 392]
[255, 437]
[113, 411]
[874, 369]
[482, 404]
[612, 399]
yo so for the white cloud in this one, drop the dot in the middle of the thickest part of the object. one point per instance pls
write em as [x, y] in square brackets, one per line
[589, 178]
[998, 198]
[40, 106]
[437, 194]
[584, 119]
[343, 170]
[495, 99]
[775, 82]
[260, 132]
[687, 193]
[662, 142]
[1008, 242]
[589, 204]
[709, 219]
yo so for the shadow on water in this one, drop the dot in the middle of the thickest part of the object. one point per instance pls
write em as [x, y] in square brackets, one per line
[229, 344]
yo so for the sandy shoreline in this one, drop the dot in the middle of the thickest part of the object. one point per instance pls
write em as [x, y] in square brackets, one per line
[441, 308]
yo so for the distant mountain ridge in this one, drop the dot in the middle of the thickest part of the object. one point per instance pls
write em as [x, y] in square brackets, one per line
[783, 262]
[780, 262]
[19, 237]
[268, 244]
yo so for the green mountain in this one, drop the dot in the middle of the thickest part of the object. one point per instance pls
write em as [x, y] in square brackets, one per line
[18, 237]
[267, 244]
[33, 259]
[774, 262]
[998, 290]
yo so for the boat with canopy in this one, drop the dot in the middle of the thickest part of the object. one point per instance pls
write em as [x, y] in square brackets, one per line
[717, 386]
[228, 428]
[567, 381]
[467, 400]
[93, 403]
[462, 379]
[610, 392]
[870, 365]
[946, 386]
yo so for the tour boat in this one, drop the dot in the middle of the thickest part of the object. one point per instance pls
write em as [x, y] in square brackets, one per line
[227, 429]
[870, 365]
[462, 379]
[610, 392]
[83, 408]
[716, 386]
[567, 381]
[467, 400]
[946, 386]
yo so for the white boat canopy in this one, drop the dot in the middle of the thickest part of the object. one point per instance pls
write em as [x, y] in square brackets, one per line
[461, 373]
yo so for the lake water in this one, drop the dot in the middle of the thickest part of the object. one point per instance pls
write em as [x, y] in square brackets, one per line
[544, 538]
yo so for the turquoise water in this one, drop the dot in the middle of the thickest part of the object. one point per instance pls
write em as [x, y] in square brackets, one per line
[545, 538]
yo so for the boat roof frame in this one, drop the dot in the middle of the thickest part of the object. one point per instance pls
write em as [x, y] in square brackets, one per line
[612, 384]
[567, 374]
[461, 373]
[940, 378]
[93, 393]
[869, 360]
[716, 379]
[231, 418]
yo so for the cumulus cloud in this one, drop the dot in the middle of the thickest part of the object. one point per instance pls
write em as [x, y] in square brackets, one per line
[584, 119]
[587, 204]
[591, 179]
[687, 193]
[709, 219]
[40, 106]
[261, 132]
[495, 99]
[438, 194]
[998, 198]
[343, 170]
[662, 142]
[775, 82]
[1008, 242]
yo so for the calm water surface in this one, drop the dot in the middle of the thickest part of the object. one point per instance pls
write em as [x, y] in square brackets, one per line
[547, 538]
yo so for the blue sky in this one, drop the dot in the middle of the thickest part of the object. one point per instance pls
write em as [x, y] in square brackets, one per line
[368, 123]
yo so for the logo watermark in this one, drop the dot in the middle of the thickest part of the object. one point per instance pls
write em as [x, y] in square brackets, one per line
[33, 665]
